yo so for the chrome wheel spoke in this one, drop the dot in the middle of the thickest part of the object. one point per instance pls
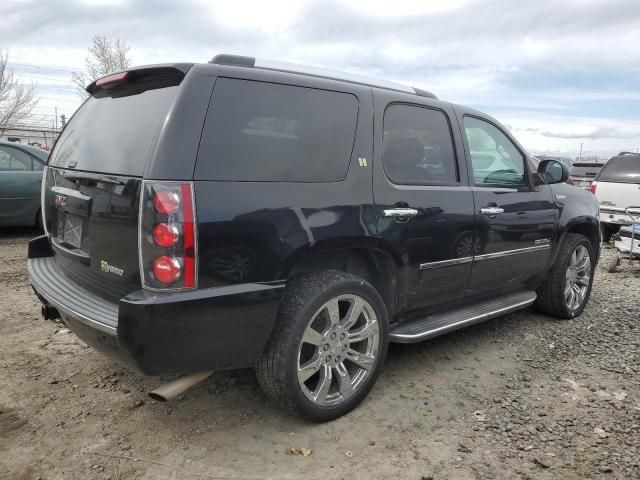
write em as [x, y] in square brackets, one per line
[363, 360]
[312, 336]
[333, 311]
[367, 330]
[344, 381]
[353, 314]
[324, 383]
[584, 281]
[306, 371]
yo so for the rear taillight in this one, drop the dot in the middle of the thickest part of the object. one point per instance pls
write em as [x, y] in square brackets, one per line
[593, 186]
[168, 239]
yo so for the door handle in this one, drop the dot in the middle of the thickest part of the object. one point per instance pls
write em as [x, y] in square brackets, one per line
[402, 212]
[491, 211]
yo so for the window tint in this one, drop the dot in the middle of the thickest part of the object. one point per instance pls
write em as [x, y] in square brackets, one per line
[417, 146]
[114, 130]
[14, 160]
[625, 169]
[495, 160]
[258, 131]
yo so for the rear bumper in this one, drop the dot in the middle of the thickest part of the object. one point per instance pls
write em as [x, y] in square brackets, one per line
[179, 332]
[614, 215]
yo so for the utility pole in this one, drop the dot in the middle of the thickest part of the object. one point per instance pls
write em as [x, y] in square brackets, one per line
[580, 156]
[63, 120]
[56, 126]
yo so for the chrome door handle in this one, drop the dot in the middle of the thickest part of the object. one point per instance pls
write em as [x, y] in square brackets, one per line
[491, 211]
[400, 212]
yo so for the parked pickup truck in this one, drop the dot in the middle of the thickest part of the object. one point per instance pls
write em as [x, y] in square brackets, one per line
[243, 213]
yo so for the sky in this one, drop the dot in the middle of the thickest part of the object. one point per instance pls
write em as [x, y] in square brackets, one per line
[560, 74]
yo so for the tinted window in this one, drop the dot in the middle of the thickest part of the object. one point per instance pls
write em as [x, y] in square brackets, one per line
[258, 131]
[114, 129]
[417, 146]
[494, 158]
[14, 160]
[624, 169]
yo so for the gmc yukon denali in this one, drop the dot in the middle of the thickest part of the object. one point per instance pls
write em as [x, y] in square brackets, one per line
[242, 213]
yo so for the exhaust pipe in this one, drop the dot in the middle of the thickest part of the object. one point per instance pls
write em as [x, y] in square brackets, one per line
[171, 390]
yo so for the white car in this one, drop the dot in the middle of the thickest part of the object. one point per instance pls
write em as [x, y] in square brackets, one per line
[617, 186]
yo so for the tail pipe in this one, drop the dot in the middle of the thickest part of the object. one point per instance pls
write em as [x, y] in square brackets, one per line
[171, 390]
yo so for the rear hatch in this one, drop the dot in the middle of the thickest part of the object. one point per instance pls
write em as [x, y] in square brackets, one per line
[618, 185]
[583, 173]
[91, 189]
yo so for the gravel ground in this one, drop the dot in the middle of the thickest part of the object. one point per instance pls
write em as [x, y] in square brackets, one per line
[519, 397]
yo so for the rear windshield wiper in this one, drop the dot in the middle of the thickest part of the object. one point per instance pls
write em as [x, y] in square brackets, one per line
[92, 176]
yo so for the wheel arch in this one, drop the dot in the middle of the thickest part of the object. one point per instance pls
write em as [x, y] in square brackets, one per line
[587, 227]
[362, 257]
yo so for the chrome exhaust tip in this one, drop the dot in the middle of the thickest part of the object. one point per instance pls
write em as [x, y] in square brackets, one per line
[171, 390]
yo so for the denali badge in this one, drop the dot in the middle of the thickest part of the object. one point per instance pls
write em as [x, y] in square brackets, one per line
[60, 200]
[106, 268]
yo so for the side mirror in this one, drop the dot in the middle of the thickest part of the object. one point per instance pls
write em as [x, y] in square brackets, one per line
[552, 171]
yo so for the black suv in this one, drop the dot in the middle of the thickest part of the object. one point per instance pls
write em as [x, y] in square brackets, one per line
[203, 217]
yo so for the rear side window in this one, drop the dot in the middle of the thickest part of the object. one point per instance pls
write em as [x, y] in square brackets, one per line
[624, 169]
[257, 131]
[114, 130]
[417, 146]
[14, 160]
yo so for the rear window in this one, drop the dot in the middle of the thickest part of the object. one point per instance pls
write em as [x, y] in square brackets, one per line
[622, 170]
[114, 129]
[257, 131]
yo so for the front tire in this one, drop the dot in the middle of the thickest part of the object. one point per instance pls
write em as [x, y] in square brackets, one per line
[328, 346]
[565, 292]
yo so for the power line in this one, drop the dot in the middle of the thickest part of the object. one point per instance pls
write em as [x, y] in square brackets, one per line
[44, 67]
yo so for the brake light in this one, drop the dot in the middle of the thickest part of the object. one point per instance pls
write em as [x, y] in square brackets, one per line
[165, 234]
[166, 201]
[166, 269]
[593, 186]
[168, 240]
[112, 80]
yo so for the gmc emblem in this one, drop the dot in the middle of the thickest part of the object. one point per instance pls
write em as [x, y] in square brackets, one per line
[60, 200]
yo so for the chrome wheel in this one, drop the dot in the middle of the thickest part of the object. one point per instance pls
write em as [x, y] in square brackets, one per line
[338, 350]
[577, 278]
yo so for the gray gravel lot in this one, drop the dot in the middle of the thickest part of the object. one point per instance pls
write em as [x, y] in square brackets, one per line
[519, 397]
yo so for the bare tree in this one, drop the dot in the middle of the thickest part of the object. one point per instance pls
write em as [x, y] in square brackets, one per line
[105, 57]
[17, 99]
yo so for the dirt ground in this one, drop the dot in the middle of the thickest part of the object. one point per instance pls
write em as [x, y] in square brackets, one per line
[519, 397]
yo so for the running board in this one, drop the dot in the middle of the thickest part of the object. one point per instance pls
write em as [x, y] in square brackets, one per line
[412, 331]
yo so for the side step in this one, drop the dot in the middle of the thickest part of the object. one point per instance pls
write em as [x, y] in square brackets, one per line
[412, 331]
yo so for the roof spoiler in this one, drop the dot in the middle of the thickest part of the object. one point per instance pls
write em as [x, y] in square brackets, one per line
[135, 73]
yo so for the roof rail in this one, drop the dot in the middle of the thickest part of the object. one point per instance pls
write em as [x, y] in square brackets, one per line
[627, 153]
[252, 62]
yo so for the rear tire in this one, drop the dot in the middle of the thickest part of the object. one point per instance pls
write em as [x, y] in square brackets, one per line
[328, 346]
[566, 291]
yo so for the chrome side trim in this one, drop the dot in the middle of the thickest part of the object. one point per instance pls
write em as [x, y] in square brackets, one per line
[445, 263]
[72, 313]
[506, 253]
[479, 258]
[403, 337]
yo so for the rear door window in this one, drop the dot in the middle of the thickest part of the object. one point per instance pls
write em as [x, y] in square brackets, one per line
[258, 131]
[417, 146]
[624, 169]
